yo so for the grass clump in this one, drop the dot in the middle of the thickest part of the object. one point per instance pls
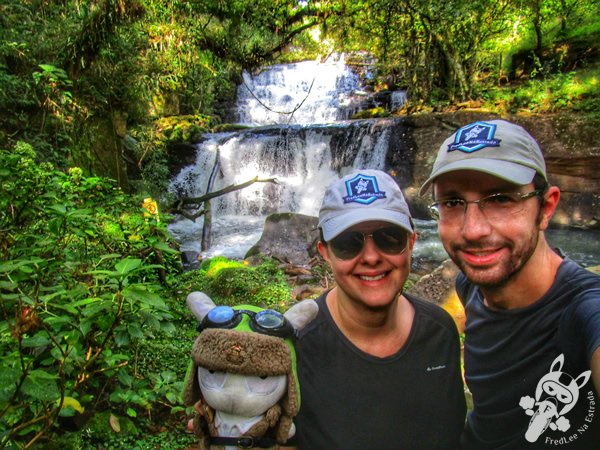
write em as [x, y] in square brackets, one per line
[230, 282]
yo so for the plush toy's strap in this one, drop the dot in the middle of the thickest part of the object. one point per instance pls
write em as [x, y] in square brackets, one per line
[243, 441]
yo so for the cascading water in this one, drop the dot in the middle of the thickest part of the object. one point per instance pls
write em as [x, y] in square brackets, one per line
[301, 93]
[303, 160]
[303, 151]
[300, 138]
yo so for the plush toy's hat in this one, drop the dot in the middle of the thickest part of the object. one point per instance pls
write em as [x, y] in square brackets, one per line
[241, 350]
[244, 350]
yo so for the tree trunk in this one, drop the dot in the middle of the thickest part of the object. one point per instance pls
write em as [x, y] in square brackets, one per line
[207, 228]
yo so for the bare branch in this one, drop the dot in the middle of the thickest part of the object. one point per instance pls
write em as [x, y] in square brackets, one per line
[179, 207]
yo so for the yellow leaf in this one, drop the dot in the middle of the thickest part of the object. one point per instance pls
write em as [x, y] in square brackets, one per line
[114, 423]
[455, 308]
[73, 403]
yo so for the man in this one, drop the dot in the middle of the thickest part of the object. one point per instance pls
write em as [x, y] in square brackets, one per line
[532, 337]
[378, 369]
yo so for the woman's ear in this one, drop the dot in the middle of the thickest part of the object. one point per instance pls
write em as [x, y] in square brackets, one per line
[323, 250]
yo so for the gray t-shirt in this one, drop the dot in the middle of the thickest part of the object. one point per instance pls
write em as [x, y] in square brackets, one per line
[525, 394]
[352, 400]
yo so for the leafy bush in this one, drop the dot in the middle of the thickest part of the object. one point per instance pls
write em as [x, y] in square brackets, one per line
[80, 282]
[233, 283]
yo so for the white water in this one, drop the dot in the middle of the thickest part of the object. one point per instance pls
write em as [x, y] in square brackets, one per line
[303, 157]
[307, 92]
[301, 162]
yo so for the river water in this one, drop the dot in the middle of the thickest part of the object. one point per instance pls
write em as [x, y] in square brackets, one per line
[299, 134]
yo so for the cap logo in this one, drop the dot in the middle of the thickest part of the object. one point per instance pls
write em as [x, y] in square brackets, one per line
[363, 189]
[474, 137]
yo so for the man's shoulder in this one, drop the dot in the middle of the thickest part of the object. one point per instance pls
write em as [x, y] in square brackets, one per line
[574, 276]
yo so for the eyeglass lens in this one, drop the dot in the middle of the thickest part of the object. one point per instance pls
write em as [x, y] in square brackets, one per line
[390, 240]
[268, 321]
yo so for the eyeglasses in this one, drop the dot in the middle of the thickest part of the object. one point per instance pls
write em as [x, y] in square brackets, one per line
[266, 321]
[495, 207]
[390, 240]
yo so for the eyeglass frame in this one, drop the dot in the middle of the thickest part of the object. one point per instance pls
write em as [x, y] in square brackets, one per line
[518, 196]
[285, 330]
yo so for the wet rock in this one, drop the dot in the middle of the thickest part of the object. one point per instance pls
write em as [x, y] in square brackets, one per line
[288, 237]
[437, 285]
[190, 260]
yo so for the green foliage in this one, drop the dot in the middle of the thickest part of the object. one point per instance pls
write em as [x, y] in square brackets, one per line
[232, 283]
[80, 287]
[371, 113]
[559, 92]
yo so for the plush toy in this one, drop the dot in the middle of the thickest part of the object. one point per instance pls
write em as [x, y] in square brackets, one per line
[244, 373]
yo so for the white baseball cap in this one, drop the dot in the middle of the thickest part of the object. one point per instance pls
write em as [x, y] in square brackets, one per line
[496, 147]
[364, 195]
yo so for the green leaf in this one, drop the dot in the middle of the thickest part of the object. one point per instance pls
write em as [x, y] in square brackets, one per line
[135, 331]
[131, 412]
[121, 337]
[38, 340]
[139, 293]
[41, 385]
[9, 377]
[61, 209]
[128, 265]
[85, 325]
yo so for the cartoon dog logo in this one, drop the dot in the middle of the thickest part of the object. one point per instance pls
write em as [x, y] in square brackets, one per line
[555, 395]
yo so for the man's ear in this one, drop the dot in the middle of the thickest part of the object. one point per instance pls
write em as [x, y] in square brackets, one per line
[412, 240]
[551, 198]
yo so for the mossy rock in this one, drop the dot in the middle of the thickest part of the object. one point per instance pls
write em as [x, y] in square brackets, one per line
[183, 128]
[371, 113]
[227, 127]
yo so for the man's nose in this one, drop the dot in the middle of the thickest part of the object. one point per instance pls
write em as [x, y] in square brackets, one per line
[475, 224]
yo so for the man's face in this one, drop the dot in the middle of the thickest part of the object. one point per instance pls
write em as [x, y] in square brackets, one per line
[489, 252]
[372, 278]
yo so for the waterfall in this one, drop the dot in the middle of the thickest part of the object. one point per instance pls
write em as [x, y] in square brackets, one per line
[304, 151]
[300, 93]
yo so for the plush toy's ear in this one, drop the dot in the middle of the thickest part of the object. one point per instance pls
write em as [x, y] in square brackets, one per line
[200, 304]
[302, 313]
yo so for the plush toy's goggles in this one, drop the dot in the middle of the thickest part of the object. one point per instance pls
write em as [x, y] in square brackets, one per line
[390, 240]
[266, 321]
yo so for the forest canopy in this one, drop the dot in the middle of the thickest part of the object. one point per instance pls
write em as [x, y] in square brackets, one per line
[70, 70]
[94, 93]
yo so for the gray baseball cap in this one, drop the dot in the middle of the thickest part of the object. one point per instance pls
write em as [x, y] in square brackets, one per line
[364, 195]
[496, 147]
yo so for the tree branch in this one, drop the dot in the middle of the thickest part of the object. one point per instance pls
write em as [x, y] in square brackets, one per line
[182, 203]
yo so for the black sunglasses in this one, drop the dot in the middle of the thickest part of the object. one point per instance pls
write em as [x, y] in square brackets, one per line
[266, 321]
[390, 240]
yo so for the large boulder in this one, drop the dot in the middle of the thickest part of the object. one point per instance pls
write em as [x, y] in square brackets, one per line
[288, 237]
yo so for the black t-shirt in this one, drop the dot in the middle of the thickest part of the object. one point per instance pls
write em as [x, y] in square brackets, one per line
[352, 400]
[525, 394]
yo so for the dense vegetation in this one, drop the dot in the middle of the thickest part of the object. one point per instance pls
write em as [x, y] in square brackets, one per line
[91, 94]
